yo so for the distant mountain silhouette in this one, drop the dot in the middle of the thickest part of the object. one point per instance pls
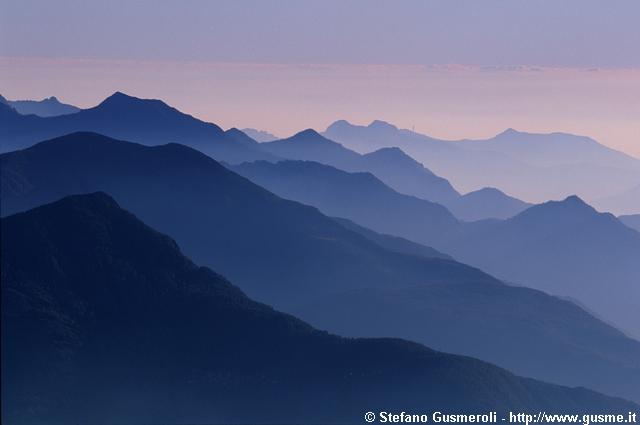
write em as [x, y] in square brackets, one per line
[48, 107]
[550, 149]
[632, 221]
[260, 135]
[486, 203]
[391, 165]
[146, 121]
[308, 145]
[104, 320]
[529, 166]
[379, 134]
[399, 171]
[360, 197]
[289, 255]
[564, 248]
[406, 175]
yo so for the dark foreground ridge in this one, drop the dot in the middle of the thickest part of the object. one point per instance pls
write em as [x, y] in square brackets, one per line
[104, 320]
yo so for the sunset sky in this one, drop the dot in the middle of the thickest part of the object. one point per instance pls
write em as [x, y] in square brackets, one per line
[451, 69]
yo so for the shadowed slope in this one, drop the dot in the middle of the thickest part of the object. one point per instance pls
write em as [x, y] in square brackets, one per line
[360, 197]
[104, 320]
[566, 248]
[287, 254]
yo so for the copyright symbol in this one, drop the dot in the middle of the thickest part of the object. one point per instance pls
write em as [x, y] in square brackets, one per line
[369, 417]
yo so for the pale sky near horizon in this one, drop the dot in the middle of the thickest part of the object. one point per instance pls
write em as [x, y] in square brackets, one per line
[281, 66]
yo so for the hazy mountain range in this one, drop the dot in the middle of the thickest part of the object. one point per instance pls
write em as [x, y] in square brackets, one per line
[259, 135]
[488, 202]
[153, 122]
[359, 197]
[146, 121]
[48, 107]
[565, 248]
[534, 167]
[292, 256]
[104, 320]
[399, 171]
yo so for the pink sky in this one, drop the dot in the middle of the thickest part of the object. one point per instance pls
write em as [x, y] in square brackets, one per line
[449, 102]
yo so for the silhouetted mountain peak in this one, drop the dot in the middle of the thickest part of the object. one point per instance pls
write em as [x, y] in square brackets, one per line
[392, 152]
[308, 134]
[122, 100]
[572, 202]
[338, 125]
[240, 136]
[119, 96]
[572, 208]
[509, 132]
[575, 200]
[492, 192]
[96, 201]
[382, 125]
[489, 190]
[78, 137]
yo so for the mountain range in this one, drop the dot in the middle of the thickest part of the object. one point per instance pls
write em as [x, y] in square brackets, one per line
[488, 202]
[539, 166]
[399, 171]
[48, 107]
[104, 320]
[152, 122]
[260, 135]
[299, 260]
[535, 167]
[146, 121]
[564, 248]
[359, 197]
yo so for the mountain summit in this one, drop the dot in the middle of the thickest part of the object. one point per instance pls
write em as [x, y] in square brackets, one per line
[566, 248]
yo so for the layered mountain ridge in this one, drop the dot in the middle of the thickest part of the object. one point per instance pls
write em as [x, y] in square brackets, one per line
[104, 320]
[299, 260]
